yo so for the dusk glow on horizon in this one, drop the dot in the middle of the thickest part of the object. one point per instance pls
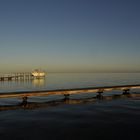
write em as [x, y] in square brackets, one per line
[70, 35]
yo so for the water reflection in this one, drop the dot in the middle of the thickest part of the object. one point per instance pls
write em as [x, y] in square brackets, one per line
[35, 105]
[38, 82]
[70, 80]
[22, 85]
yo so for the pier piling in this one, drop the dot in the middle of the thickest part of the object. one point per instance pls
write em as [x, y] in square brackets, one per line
[24, 100]
[126, 91]
[100, 91]
[66, 96]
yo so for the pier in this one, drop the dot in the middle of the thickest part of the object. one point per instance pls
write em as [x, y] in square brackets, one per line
[16, 76]
[67, 92]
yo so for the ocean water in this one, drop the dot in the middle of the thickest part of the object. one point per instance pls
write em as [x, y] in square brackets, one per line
[71, 80]
[82, 117]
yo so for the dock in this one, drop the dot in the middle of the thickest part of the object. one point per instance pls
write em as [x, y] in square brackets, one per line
[16, 76]
[67, 92]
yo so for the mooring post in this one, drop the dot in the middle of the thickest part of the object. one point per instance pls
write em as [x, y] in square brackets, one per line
[66, 96]
[100, 91]
[126, 91]
[24, 100]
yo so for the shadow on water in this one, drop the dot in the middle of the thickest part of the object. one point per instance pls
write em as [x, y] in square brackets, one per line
[35, 105]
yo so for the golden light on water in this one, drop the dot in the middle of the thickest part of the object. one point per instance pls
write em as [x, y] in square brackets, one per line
[38, 82]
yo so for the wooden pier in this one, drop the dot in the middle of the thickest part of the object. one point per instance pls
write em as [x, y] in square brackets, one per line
[16, 76]
[67, 92]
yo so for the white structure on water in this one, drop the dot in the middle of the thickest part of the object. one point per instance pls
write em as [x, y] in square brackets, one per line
[38, 73]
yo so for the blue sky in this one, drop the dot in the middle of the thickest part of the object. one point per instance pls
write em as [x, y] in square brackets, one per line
[70, 35]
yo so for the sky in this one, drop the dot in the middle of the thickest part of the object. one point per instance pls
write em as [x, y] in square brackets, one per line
[70, 35]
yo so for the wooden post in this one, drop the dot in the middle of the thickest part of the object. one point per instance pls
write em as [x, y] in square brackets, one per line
[100, 91]
[126, 91]
[24, 101]
[66, 96]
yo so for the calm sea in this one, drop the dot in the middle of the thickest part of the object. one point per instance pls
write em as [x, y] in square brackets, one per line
[115, 118]
[71, 80]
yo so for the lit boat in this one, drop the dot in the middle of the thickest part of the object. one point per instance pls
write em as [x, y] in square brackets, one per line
[38, 73]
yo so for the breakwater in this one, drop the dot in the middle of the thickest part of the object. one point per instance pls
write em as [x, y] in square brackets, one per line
[67, 92]
[56, 102]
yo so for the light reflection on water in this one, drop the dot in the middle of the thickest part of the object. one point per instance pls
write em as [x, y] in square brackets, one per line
[38, 82]
[71, 80]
